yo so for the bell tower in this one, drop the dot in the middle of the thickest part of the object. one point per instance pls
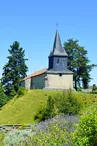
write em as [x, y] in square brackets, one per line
[58, 56]
[58, 76]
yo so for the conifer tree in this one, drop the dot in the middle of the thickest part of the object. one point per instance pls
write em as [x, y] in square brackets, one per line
[3, 97]
[15, 70]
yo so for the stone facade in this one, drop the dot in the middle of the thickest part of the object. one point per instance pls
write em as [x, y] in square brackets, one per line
[58, 81]
[26, 83]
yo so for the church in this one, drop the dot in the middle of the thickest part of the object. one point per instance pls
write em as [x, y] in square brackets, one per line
[56, 76]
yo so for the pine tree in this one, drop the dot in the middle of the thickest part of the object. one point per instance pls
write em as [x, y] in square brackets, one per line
[78, 62]
[15, 70]
[3, 97]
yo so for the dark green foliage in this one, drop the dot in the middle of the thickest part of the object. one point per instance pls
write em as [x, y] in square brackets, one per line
[46, 112]
[21, 91]
[40, 114]
[78, 62]
[79, 89]
[50, 107]
[93, 92]
[94, 87]
[68, 104]
[3, 97]
[15, 70]
[65, 103]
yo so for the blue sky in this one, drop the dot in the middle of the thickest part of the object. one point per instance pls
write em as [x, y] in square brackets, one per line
[33, 24]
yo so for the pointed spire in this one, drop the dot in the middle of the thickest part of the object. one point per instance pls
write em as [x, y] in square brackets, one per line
[57, 47]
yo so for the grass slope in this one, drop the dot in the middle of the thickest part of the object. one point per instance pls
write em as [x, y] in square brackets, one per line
[22, 110]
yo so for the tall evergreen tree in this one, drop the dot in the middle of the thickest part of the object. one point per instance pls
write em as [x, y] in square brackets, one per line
[78, 62]
[3, 97]
[15, 70]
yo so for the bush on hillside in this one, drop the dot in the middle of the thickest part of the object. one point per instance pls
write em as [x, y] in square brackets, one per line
[79, 89]
[93, 92]
[45, 112]
[86, 133]
[68, 103]
[94, 88]
[21, 91]
[64, 103]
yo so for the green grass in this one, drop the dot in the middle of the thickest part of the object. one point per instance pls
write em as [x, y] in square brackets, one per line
[23, 109]
[1, 139]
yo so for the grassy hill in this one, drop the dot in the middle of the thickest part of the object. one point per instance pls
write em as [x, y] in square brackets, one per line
[22, 110]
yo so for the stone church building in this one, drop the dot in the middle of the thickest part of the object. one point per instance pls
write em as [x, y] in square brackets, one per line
[56, 76]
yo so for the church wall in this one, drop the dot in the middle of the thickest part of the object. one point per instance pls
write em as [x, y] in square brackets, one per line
[22, 84]
[61, 82]
[38, 82]
[26, 83]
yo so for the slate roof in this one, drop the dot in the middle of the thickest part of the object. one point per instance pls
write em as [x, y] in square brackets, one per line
[58, 50]
[39, 72]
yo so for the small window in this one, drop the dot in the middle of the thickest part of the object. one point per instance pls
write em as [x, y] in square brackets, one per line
[58, 60]
[60, 74]
[63, 61]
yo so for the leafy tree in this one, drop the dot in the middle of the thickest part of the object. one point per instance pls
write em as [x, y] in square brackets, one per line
[15, 70]
[3, 97]
[78, 62]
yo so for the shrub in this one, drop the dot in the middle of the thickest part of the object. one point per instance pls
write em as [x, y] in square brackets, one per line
[86, 133]
[21, 91]
[58, 132]
[64, 103]
[94, 88]
[18, 137]
[54, 135]
[45, 112]
[79, 89]
[68, 103]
